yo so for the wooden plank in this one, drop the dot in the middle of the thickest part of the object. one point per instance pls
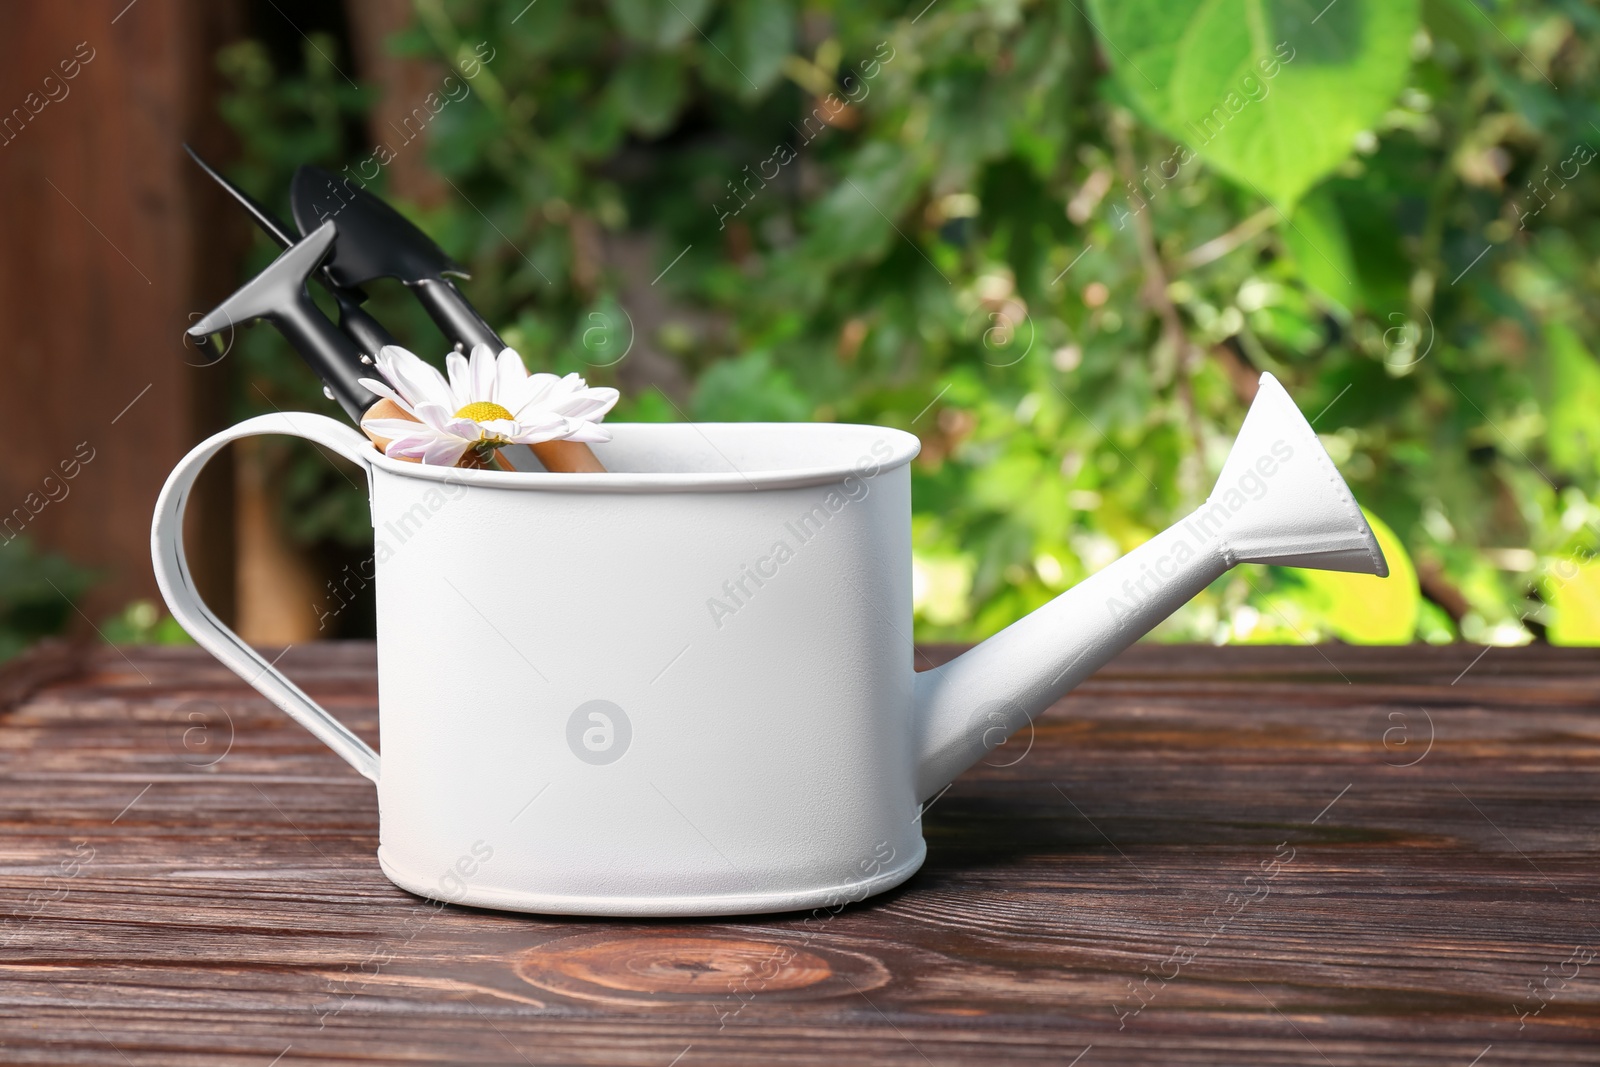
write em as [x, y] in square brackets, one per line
[403, 84]
[47, 661]
[1203, 856]
[108, 250]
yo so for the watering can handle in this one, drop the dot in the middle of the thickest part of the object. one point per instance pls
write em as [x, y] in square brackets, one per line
[177, 586]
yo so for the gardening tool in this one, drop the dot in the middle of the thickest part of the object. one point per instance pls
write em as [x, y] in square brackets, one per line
[278, 294]
[367, 332]
[376, 241]
[681, 689]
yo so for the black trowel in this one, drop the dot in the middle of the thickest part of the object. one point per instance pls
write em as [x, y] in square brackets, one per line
[376, 241]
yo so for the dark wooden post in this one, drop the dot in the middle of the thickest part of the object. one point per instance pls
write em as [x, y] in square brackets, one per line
[111, 242]
[402, 82]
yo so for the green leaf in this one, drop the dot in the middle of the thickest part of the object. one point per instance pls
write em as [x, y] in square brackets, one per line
[1572, 589]
[1269, 92]
[649, 90]
[855, 220]
[748, 389]
[662, 23]
[38, 591]
[753, 44]
[1572, 394]
[1316, 238]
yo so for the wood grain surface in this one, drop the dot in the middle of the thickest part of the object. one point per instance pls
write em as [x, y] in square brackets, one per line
[1231, 856]
[114, 242]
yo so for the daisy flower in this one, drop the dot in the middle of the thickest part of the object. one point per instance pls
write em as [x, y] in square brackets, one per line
[488, 401]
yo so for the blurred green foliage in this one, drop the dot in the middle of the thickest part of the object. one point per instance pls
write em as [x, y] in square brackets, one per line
[37, 593]
[142, 622]
[1058, 242]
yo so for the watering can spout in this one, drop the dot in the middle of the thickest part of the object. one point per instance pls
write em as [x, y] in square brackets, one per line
[1278, 500]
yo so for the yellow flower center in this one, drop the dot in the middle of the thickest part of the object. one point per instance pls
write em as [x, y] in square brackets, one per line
[483, 411]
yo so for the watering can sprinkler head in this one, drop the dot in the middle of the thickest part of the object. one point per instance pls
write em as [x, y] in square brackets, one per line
[1278, 500]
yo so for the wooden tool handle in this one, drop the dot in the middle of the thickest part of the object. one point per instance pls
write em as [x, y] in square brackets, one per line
[384, 409]
[568, 457]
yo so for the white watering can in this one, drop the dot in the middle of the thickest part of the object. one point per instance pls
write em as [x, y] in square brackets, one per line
[685, 687]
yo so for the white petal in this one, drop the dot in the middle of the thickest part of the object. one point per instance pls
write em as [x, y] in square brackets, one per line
[588, 432]
[394, 429]
[445, 452]
[546, 392]
[591, 404]
[413, 447]
[531, 437]
[538, 387]
[534, 437]
[417, 381]
[460, 379]
[546, 407]
[482, 373]
[540, 421]
[377, 388]
[465, 429]
[510, 375]
[385, 367]
[437, 416]
[502, 428]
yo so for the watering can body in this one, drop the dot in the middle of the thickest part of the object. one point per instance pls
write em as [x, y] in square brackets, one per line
[686, 687]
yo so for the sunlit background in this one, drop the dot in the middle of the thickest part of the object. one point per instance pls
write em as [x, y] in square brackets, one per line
[1058, 242]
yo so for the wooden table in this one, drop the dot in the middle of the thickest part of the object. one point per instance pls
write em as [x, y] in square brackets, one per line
[1204, 856]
